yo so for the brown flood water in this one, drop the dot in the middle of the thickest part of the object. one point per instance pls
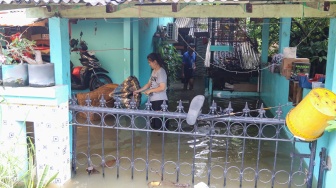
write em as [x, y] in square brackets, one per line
[226, 154]
[233, 160]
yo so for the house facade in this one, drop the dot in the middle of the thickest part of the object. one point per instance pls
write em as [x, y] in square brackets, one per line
[121, 34]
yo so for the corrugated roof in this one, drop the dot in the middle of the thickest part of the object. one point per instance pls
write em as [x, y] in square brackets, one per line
[195, 24]
[101, 2]
[46, 2]
[184, 23]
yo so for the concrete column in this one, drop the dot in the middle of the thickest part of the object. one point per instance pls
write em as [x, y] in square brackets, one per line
[264, 49]
[330, 82]
[128, 38]
[265, 40]
[60, 55]
[284, 33]
[47, 108]
[60, 50]
[135, 50]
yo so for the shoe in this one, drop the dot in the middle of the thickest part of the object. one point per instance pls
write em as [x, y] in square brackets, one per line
[195, 109]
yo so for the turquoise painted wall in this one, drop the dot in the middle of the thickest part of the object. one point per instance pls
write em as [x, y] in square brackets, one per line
[107, 41]
[128, 48]
[330, 84]
[331, 152]
[59, 50]
[147, 28]
[274, 91]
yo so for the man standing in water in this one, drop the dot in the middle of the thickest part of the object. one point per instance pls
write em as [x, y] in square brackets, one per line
[188, 67]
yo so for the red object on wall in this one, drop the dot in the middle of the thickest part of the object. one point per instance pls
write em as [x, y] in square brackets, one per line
[15, 36]
[317, 77]
[76, 71]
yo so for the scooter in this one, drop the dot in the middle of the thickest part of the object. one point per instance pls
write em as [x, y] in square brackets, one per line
[91, 75]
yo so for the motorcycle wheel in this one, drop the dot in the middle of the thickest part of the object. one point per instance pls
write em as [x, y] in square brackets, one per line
[98, 81]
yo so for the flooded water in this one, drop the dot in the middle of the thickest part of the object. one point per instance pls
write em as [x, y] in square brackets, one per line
[221, 162]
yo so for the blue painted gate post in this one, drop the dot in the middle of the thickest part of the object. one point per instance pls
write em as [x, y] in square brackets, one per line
[60, 50]
[264, 47]
[330, 84]
[128, 39]
[284, 33]
[265, 40]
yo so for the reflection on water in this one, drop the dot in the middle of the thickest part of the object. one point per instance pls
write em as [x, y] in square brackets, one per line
[228, 159]
[222, 162]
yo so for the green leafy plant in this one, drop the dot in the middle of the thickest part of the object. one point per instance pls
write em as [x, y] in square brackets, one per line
[203, 26]
[19, 50]
[309, 35]
[171, 57]
[9, 170]
[13, 175]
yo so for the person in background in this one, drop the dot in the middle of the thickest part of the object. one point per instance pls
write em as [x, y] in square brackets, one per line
[188, 67]
[156, 86]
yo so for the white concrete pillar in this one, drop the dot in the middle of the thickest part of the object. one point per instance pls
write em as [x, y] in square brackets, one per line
[47, 108]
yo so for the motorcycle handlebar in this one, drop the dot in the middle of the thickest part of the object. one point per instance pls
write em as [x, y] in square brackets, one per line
[93, 64]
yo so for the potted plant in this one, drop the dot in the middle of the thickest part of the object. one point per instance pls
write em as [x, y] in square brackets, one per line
[22, 65]
[14, 71]
[171, 57]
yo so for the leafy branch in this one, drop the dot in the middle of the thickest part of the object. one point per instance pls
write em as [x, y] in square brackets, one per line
[171, 57]
[19, 50]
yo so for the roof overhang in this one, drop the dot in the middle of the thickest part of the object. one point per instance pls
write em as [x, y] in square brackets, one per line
[17, 17]
[118, 2]
[177, 8]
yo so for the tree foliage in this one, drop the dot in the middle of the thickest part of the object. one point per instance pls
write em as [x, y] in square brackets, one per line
[171, 57]
[309, 35]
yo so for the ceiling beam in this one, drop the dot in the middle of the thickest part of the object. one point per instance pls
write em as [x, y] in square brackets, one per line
[323, 6]
[190, 11]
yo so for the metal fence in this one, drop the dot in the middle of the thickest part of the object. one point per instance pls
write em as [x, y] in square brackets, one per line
[243, 149]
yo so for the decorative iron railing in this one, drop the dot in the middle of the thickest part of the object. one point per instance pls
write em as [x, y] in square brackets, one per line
[246, 149]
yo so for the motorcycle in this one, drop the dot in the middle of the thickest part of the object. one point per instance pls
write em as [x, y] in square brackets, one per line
[91, 75]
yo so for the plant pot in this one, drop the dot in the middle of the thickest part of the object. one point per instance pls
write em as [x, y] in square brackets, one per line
[41, 75]
[15, 75]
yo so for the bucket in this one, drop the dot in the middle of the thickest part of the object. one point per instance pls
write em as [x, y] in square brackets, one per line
[15, 75]
[309, 118]
[41, 75]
